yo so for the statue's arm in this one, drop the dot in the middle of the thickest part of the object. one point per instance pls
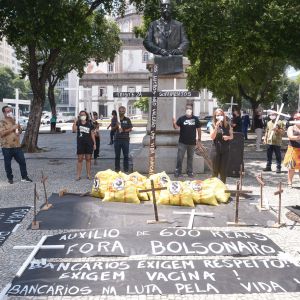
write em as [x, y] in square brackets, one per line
[148, 41]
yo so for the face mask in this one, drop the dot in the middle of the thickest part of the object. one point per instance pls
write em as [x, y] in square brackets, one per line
[220, 118]
[272, 117]
[82, 118]
[188, 112]
[10, 115]
[121, 113]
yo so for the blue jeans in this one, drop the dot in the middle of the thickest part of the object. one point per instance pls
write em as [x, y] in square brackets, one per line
[277, 150]
[182, 148]
[18, 155]
[124, 146]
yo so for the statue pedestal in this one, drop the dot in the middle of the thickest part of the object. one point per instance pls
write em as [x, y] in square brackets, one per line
[166, 136]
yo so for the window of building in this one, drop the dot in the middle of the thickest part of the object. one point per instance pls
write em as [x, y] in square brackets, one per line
[145, 57]
[131, 89]
[110, 67]
[145, 89]
[131, 110]
[102, 92]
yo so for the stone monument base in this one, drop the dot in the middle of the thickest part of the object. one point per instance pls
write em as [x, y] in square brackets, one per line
[165, 160]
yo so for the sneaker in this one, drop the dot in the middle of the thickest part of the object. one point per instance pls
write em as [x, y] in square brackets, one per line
[26, 179]
[267, 169]
[10, 181]
[177, 174]
[278, 171]
[190, 175]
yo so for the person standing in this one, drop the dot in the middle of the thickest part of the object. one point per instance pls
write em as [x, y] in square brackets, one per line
[122, 140]
[53, 123]
[236, 121]
[11, 147]
[245, 124]
[273, 140]
[258, 125]
[97, 135]
[292, 156]
[221, 133]
[112, 125]
[189, 126]
[86, 143]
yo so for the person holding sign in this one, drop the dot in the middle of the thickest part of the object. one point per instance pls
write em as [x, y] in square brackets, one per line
[189, 126]
[292, 156]
[122, 139]
[86, 142]
[11, 147]
[273, 140]
[221, 133]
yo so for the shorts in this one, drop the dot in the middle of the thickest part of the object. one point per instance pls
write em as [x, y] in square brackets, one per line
[84, 148]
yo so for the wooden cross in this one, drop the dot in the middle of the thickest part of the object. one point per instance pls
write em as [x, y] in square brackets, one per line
[231, 105]
[261, 182]
[278, 113]
[47, 205]
[155, 94]
[279, 192]
[35, 224]
[192, 214]
[35, 250]
[242, 173]
[238, 192]
[153, 190]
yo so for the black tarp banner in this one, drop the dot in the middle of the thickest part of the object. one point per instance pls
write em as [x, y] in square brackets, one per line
[163, 242]
[158, 277]
[9, 218]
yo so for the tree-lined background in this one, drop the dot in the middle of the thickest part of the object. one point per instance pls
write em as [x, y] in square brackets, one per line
[238, 48]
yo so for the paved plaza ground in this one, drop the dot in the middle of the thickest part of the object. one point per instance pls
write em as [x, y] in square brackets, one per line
[58, 162]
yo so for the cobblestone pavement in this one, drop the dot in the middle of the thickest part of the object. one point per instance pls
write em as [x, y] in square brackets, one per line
[59, 163]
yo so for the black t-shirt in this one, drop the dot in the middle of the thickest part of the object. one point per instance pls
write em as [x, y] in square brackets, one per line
[188, 127]
[125, 124]
[237, 120]
[84, 132]
[219, 142]
[258, 122]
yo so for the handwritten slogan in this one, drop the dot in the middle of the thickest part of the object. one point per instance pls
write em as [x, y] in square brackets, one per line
[9, 218]
[164, 242]
[158, 277]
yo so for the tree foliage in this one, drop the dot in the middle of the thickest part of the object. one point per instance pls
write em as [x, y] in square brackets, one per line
[9, 81]
[142, 104]
[238, 48]
[40, 31]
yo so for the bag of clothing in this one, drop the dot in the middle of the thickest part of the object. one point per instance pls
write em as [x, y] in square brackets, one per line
[219, 189]
[160, 180]
[140, 182]
[101, 181]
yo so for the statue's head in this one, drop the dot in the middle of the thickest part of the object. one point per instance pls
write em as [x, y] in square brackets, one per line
[166, 9]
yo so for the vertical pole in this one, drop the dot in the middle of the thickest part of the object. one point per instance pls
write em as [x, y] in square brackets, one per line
[174, 99]
[261, 191]
[44, 185]
[237, 200]
[299, 100]
[153, 120]
[154, 200]
[279, 208]
[34, 205]
[241, 176]
[17, 106]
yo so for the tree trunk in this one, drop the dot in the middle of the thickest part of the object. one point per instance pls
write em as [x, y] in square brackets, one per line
[30, 139]
[51, 97]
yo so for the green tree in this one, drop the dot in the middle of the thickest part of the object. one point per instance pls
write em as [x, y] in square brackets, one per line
[142, 104]
[9, 81]
[238, 48]
[39, 30]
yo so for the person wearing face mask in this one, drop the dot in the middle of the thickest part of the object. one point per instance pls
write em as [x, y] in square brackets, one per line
[86, 142]
[10, 143]
[258, 127]
[122, 139]
[292, 156]
[190, 127]
[273, 140]
[221, 133]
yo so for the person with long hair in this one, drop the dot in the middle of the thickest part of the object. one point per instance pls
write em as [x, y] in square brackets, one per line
[292, 156]
[112, 125]
[221, 133]
[86, 142]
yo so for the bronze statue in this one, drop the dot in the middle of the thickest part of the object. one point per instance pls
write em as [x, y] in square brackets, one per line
[166, 37]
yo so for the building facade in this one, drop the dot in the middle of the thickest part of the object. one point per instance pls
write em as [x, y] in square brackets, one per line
[8, 56]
